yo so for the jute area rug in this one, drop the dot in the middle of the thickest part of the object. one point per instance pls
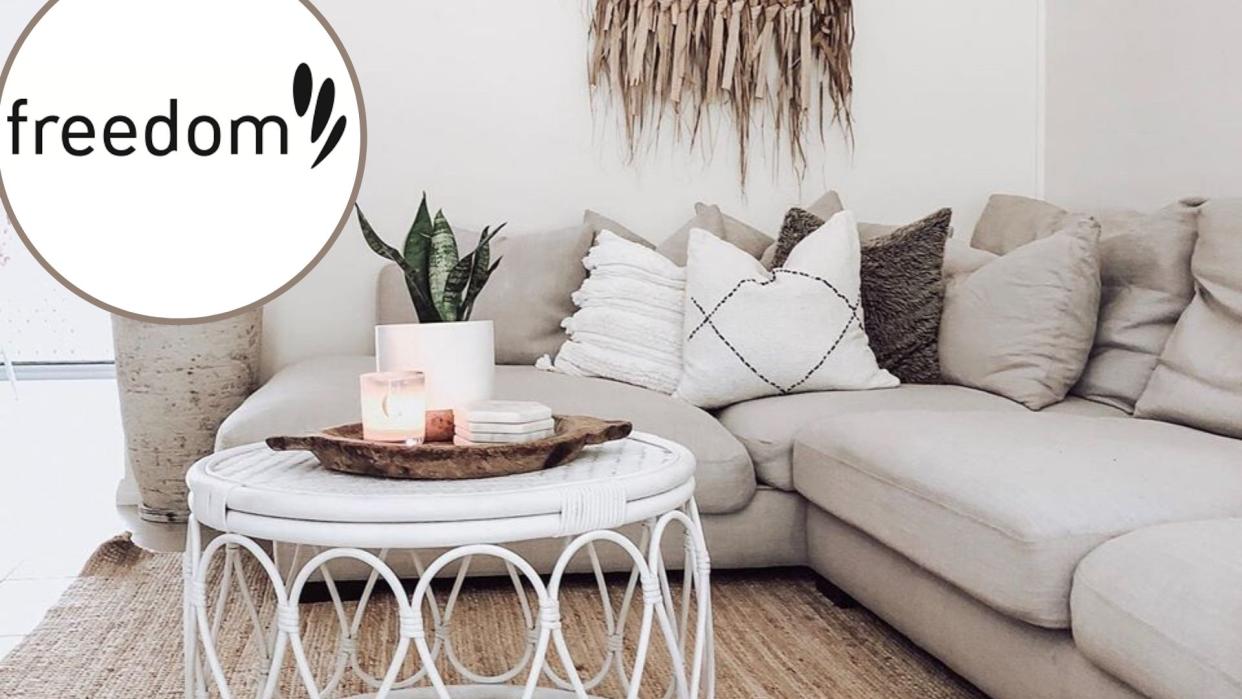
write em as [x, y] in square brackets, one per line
[117, 633]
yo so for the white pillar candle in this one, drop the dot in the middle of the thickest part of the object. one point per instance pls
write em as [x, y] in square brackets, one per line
[394, 406]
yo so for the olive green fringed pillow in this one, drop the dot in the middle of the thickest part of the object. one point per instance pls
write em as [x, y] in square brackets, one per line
[902, 290]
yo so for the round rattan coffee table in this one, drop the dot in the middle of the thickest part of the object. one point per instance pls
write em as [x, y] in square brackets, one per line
[254, 495]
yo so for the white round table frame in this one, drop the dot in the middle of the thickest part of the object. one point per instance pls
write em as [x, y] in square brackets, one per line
[253, 494]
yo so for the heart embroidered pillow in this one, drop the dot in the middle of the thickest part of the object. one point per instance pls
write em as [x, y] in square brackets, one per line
[751, 333]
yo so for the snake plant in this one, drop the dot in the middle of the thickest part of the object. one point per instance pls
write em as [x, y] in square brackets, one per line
[442, 287]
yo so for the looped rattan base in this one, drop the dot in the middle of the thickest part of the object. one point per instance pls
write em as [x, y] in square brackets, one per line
[677, 620]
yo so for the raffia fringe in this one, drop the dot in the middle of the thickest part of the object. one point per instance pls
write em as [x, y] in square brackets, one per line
[682, 57]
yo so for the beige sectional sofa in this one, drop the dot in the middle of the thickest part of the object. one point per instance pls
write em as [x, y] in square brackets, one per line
[1071, 552]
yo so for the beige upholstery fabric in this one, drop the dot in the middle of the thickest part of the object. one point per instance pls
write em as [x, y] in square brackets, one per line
[1145, 284]
[726, 479]
[594, 222]
[827, 206]
[392, 298]
[1010, 221]
[767, 426]
[526, 308]
[323, 392]
[1022, 326]
[1005, 505]
[1198, 380]
[1006, 658]
[961, 258]
[1160, 608]
[1073, 405]
[305, 396]
[706, 218]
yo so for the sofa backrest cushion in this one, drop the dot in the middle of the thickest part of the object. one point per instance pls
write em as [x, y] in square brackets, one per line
[1145, 282]
[707, 217]
[1021, 326]
[1010, 221]
[1198, 379]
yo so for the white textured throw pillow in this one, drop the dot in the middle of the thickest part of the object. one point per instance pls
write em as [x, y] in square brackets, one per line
[750, 333]
[629, 321]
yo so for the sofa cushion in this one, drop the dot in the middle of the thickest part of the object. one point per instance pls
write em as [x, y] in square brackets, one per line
[1022, 325]
[1145, 282]
[1005, 505]
[708, 217]
[321, 392]
[1159, 608]
[767, 426]
[1010, 221]
[1198, 380]
[1073, 405]
[1145, 285]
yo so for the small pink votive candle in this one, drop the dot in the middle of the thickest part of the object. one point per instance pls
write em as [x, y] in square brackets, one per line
[394, 406]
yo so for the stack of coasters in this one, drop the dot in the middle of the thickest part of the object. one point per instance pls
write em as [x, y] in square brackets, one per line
[502, 422]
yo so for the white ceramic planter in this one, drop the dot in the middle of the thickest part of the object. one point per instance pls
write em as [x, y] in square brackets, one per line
[459, 359]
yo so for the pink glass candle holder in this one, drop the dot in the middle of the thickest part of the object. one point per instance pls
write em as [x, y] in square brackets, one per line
[394, 406]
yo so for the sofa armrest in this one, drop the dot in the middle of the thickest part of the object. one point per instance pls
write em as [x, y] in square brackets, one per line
[303, 397]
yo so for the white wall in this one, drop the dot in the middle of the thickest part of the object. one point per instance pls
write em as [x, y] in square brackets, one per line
[484, 104]
[1144, 101]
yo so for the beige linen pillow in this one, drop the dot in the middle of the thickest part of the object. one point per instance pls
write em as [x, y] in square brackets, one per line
[707, 218]
[1198, 379]
[1021, 326]
[1010, 221]
[1145, 282]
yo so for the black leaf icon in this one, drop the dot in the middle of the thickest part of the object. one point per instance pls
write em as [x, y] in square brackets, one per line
[338, 130]
[323, 109]
[303, 86]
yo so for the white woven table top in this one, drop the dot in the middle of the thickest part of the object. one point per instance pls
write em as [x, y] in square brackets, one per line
[255, 480]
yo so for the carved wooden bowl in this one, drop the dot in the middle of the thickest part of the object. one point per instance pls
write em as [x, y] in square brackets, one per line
[343, 449]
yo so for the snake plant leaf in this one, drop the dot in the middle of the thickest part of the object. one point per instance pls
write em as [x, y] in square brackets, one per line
[423, 308]
[440, 264]
[374, 241]
[478, 274]
[455, 286]
[418, 247]
[422, 303]
[473, 293]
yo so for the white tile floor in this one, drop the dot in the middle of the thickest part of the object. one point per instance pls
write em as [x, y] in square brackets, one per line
[61, 458]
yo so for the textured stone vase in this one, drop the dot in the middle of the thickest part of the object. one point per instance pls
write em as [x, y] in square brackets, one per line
[177, 383]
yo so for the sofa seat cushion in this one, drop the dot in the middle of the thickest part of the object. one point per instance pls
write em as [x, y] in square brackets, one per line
[767, 426]
[1073, 405]
[323, 391]
[1159, 608]
[1006, 505]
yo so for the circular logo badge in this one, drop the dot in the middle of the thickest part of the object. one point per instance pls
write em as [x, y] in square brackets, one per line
[179, 161]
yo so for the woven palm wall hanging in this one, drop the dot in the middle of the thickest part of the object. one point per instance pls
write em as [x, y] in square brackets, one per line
[784, 64]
